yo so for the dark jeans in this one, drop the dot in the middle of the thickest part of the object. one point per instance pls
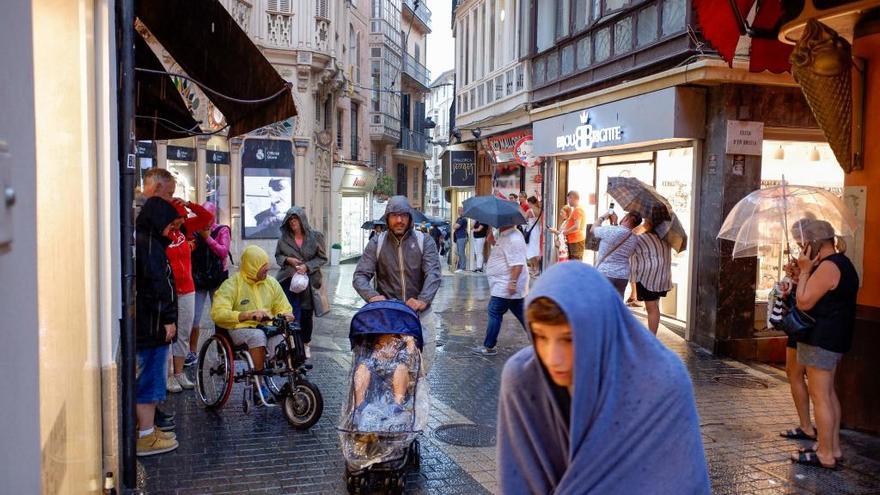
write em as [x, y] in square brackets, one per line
[303, 316]
[619, 284]
[497, 307]
[461, 246]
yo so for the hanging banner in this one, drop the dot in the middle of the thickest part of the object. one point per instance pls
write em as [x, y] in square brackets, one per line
[502, 147]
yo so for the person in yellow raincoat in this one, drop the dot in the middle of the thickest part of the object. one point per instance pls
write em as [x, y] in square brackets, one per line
[246, 298]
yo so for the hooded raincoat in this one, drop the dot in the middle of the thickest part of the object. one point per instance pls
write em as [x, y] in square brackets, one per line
[313, 253]
[243, 292]
[631, 426]
[156, 302]
[403, 269]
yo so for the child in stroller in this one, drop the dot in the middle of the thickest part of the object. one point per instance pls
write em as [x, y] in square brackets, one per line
[388, 400]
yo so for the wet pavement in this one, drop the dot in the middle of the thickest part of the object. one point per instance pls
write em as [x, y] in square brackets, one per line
[741, 408]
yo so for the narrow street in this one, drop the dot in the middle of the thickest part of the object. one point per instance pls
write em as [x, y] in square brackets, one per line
[741, 411]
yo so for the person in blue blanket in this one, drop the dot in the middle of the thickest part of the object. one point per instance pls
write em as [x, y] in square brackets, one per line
[597, 405]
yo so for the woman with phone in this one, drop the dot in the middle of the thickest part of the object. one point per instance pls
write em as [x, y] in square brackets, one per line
[827, 288]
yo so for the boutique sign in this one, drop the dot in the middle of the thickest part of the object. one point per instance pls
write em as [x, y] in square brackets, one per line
[671, 113]
[585, 136]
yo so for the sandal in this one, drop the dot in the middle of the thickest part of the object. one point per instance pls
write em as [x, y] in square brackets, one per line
[797, 434]
[812, 450]
[811, 459]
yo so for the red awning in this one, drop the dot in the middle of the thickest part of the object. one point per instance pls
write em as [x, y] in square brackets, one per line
[722, 27]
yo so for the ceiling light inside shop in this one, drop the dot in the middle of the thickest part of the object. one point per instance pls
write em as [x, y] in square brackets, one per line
[814, 155]
[502, 15]
[779, 154]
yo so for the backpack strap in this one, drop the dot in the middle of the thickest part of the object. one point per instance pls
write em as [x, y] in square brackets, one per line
[380, 241]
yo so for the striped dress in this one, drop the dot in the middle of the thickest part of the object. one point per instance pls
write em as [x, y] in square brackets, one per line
[652, 263]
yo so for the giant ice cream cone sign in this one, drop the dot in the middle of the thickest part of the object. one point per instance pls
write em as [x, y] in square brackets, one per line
[822, 64]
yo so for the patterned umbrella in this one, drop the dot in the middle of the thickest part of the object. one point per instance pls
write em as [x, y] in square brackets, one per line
[673, 233]
[634, 195]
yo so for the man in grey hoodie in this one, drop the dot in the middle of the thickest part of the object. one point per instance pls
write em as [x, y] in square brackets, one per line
[406, 267]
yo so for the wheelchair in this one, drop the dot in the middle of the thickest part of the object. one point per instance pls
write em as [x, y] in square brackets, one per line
[284, 374]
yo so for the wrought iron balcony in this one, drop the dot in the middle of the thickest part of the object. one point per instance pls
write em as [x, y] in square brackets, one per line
[416, 71]
[411, 140]
[422, 12]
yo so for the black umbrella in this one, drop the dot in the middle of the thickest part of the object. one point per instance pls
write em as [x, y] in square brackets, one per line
[493, 211]
[369, 224]
[418, 217]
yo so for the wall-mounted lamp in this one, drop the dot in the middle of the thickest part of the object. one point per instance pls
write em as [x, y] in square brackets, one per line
[779, 154]
[456, 134]
[477, 133]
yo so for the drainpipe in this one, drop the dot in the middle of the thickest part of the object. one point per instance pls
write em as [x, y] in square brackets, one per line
[125, 34]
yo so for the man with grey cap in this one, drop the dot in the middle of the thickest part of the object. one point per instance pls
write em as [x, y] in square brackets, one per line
[406, 267]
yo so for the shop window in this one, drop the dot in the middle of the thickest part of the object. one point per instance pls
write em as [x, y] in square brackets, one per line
[217, 190]
[647, 26]
[673, 16]
[602, 44]
[674, 180]
[623, 36]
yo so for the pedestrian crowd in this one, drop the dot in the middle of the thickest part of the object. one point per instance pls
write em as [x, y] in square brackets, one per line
[553, 436]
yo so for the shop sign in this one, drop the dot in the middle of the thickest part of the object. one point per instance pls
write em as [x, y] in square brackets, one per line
[524, 152]
[145, 149]
[503, 146]
[463, 168]
[671, 113]
[218, 157]
[267, 153]
[585, 136]
[181, 154]
[744, 137]
[361, 179]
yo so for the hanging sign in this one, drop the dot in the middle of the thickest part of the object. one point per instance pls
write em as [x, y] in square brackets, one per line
[744, 137]
[462, 168]
[218, 157]
[524, 152]
[180, 153]
[503, 147]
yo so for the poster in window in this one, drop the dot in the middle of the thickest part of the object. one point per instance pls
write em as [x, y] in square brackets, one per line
[267, 186]
[506, 180]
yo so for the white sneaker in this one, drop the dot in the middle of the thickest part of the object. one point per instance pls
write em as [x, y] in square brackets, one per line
[172, 386]
[184, 381]
[308, 351]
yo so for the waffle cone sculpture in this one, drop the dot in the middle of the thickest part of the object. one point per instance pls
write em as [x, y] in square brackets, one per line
[822, 64]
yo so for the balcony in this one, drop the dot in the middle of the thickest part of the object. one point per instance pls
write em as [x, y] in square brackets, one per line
[422, 13]
[416, 71]
[414, 142]
[384, 128]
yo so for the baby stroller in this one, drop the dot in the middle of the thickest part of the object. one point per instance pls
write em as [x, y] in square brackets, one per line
[388, 400]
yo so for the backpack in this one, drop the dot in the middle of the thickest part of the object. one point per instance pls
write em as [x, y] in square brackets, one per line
[420, 241]
[207, 268]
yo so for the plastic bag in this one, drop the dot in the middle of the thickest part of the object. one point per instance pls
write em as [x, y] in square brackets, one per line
[299, 282]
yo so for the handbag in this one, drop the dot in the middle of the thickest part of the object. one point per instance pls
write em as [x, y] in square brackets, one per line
[609, 253]
[320, 301]
[528, 233]
[797, 324]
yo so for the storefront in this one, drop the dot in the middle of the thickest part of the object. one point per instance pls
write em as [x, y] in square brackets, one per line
[353, 200]
[651, 137]
[515, 168]
[217, 178]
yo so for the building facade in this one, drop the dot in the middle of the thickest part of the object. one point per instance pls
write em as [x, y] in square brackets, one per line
[438, 106]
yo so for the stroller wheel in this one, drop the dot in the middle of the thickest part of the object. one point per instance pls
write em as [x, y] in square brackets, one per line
[354, 484]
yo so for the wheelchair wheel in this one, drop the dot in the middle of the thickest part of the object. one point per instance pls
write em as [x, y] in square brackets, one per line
[304, 405]
[215, 371]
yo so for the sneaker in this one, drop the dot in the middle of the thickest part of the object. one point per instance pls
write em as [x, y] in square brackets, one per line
[484, 351]
[190, 360]
[184, 381]
[308, 351]
[166, 435]
[153, 444]
[459, 270]
[172, 386]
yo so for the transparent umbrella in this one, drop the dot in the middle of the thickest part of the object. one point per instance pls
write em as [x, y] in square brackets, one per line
[762, 218]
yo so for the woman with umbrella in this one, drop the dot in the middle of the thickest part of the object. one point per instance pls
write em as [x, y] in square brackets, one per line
[827, 288]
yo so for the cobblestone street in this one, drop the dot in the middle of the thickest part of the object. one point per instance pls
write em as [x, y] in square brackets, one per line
[742, 409]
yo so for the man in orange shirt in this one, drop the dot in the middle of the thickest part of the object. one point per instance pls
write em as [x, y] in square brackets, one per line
[575, 228]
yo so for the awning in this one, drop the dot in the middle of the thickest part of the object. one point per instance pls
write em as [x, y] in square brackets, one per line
[162, 113]
[722, 22]
[214, 51]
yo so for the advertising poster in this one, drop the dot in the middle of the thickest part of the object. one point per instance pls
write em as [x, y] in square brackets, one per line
[267, 186]
[533, 182]
[506, 180]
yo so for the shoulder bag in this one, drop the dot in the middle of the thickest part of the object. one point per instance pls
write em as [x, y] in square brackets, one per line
[528, 233]
[613, 249]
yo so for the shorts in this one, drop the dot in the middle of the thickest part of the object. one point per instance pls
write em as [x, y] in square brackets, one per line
[152, 366]
[255, 337]
[576, 250]
[817, 357]
[643, 294]
[201, 297]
